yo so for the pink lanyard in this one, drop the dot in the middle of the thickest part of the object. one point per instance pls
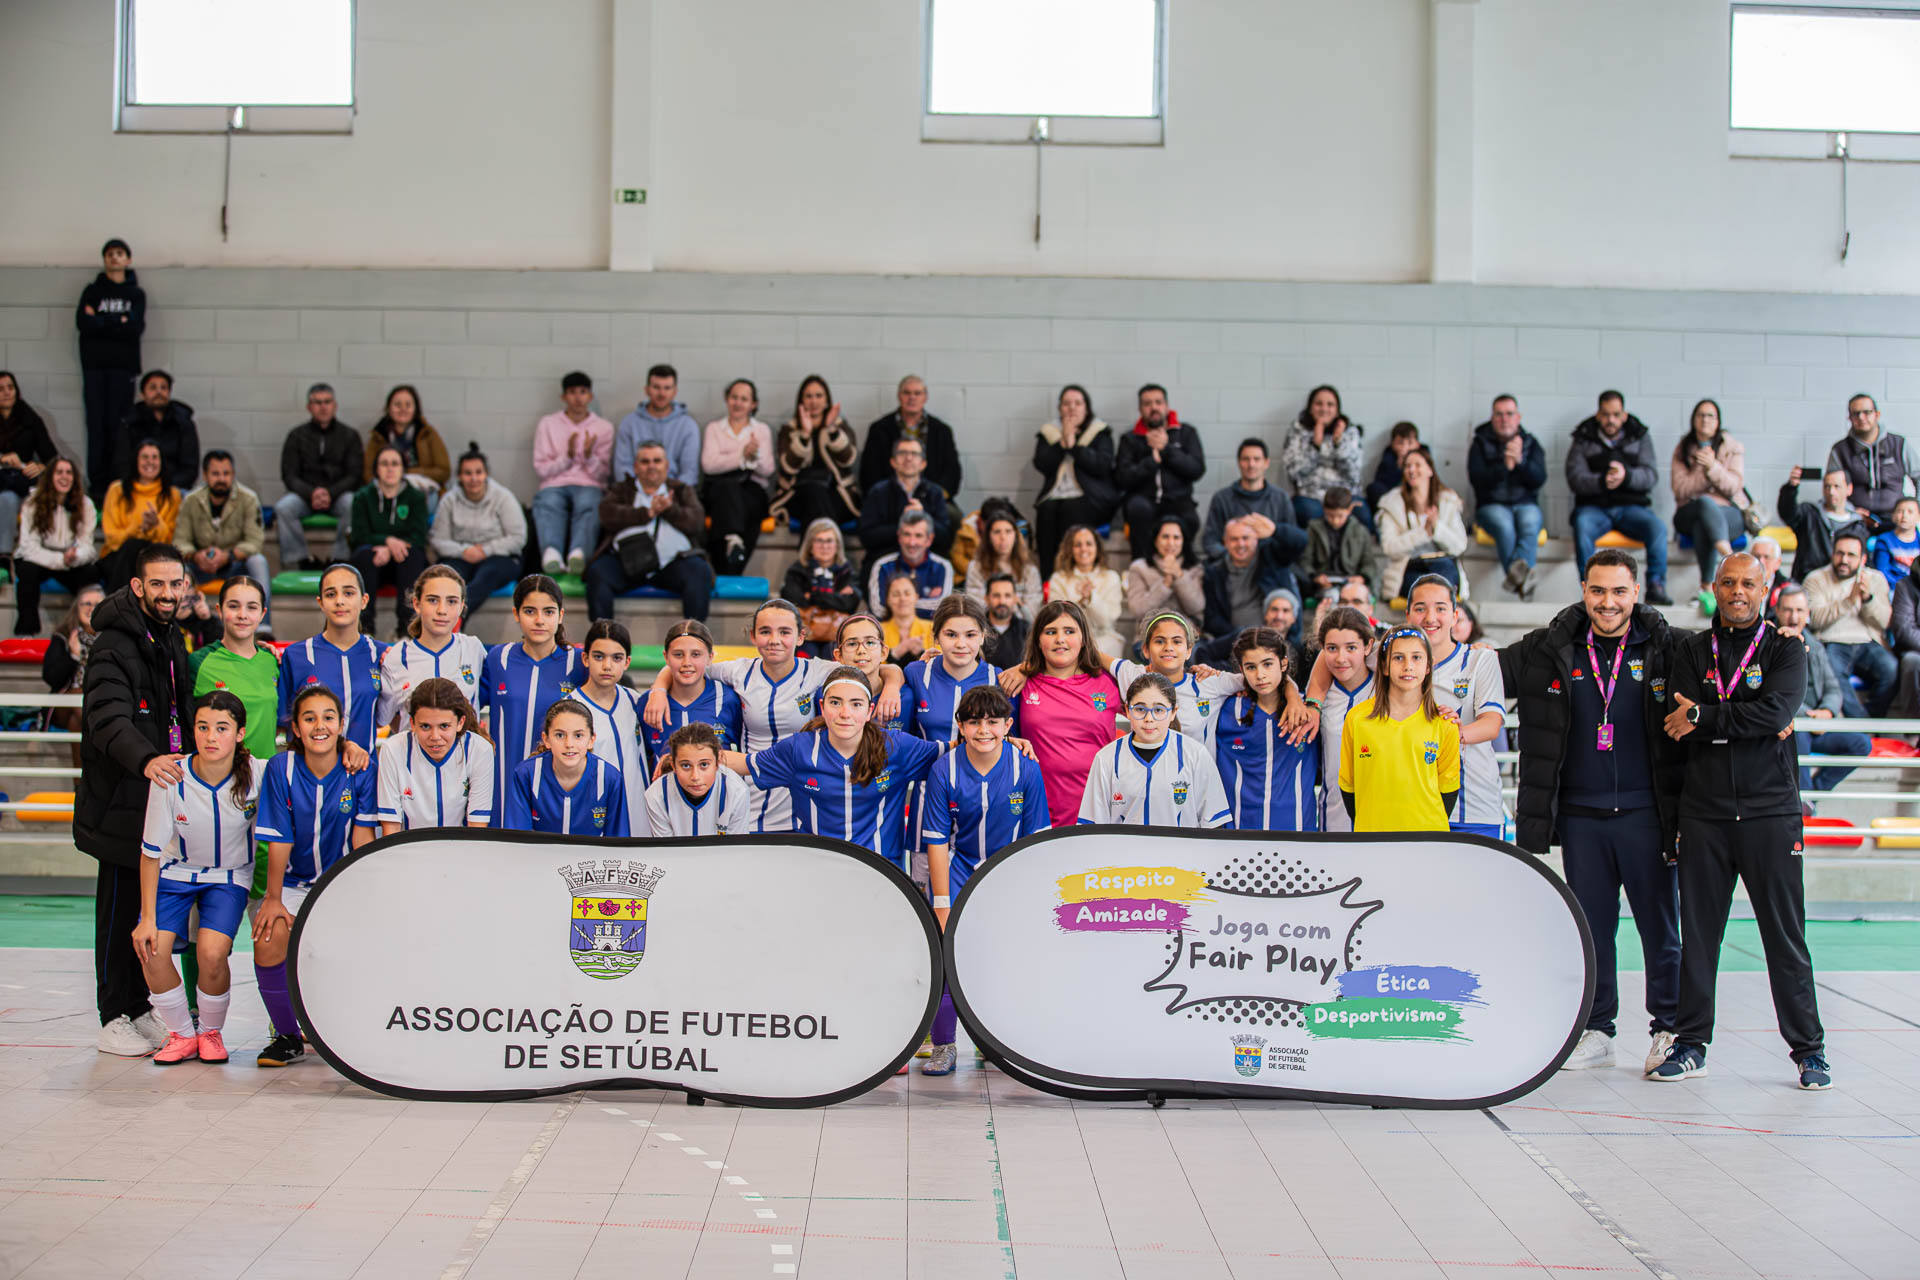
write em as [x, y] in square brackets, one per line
[1604, 737]
[1727, 687]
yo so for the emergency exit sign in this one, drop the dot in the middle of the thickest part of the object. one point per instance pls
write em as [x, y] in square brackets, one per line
[630, 195]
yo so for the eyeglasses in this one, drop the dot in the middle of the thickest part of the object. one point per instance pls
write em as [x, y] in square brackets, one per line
[863, 642]
[1142, 711]
[1861, 413]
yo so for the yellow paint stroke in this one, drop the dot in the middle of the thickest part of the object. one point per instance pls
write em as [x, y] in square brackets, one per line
[1171, 884]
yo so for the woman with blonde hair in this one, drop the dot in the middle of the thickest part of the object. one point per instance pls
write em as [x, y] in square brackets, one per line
[824, 583]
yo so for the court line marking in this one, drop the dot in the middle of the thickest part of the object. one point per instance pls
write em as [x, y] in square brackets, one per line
[496, 1211]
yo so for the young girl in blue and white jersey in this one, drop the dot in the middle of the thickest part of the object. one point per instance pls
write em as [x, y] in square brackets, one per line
[695, 796]
[1269, 781]
[693, 697]
[1167, 639]
[198, 851]
[934, 687]
[563, 788]
[619, 737]
[435, 647]
[439, 773]
[520, 680]
[340, 659]
[312, 813]
[1155, 776]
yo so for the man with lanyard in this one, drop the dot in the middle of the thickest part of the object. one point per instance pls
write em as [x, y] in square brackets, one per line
[1735, 692]
[1597, 772]
[1466, 682]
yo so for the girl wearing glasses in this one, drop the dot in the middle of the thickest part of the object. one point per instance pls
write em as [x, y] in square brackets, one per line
[859, 643]
[1399, 756]
[1156, 776]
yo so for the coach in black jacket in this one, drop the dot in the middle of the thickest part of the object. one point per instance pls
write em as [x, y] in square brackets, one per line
[1598, 773]
[137, 696]
[1735, 691]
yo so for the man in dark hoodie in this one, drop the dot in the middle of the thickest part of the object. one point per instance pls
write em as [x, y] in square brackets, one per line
[137, 718]
[168, 423]
[1156, 467]
[1611, 470]
[111, 317]
[1599, 776]
[1507, 466]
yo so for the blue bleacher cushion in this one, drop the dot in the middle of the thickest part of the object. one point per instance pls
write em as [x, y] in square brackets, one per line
[725, 587]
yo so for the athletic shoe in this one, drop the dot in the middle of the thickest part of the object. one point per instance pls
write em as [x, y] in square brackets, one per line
[149, 1025]
[1516, 574]
[1683, 1060]
[904, 1068]
[1815, 1073]
[1530, 583]
[178, 1048]
[1657, 592]
[925, 1049]
[941, 1063]
[121, 1039]
[1662, 1041]
[550, 563]
[576, 562]
[212, 1047]
[736, 557]
[1593, 1049]
[283, 1052]
[1705, 599]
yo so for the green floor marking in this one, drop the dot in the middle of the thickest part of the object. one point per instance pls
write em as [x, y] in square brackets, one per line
[1839, 946]
[1000, 1203]
[63, 922]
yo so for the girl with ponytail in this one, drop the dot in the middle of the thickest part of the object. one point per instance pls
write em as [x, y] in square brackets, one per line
[520, 680]
[434, 646]
[439, 773]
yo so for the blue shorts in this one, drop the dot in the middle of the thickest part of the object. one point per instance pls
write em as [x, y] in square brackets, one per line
[221, 906]
[1489, 829]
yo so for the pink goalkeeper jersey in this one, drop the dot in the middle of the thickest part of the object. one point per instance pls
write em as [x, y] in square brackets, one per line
[1067, 721]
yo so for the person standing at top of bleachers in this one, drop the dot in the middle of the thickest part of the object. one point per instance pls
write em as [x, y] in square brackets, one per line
[659, 417]
[1156, 466]
[111, 316]
[1882, 465]
[320, 464]
[1612, 472]
[573, 455]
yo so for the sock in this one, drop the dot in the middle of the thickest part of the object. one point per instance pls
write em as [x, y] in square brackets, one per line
[172, 1008]
[944, 1020]
[273, 994]
[213, 1010]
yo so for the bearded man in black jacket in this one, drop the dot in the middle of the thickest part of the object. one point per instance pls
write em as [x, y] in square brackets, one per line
[1736, 690]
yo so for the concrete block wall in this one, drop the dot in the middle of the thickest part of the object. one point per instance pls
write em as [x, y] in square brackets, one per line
[487, 349]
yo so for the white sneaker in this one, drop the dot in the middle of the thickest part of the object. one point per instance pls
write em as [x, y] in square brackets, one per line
[1594, 1049]
[550, 562]
[1662, 1041]
[149, 1025]
[120, 1038]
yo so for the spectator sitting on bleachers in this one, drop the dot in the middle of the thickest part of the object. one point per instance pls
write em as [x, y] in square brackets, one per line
[1006, 645]
[824, 584]
[815, 460]
[666, 518]
[1815, 527]
[573, 456]
[1422, 527]
[1258, 559]
[1321, 450]
[907, 489]
[1894, 549]
[1004, 549]
[387, 530]
[1824, 699]
[479, 531]
[1881, 465]
[1507, 467]
[736, 457]
[1080, 576]
[64, 665]
[911, 421]
[56, 541]
[25, 451]
[1172, 579]
[219, 531]
[1340, 548]
[1850, 607]
[1156, 466]
[320, 466]
[141, 508]
[1282, 613]
[1402, 440]
[404, 425]
[1767, 552]
[661, 418]
[1611, 470]
[1251, 494]
[1074, 456]
[1709, 477]
[158, 417]
[931, 572]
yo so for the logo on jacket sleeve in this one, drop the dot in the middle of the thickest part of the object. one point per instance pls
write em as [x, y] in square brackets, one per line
[607, 931]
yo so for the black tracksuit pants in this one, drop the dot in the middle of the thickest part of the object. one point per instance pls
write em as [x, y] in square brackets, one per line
[1765, 854]
[120, 986]
[1602, 855]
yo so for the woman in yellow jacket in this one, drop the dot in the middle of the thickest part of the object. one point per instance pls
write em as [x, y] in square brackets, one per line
[141, 509]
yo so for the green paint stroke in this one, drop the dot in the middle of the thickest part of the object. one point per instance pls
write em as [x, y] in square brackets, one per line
[1001, 1223]
[1378, 1018]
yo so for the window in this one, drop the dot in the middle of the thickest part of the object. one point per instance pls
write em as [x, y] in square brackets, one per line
[204, 66]
[1827, 70]
[1090, 68]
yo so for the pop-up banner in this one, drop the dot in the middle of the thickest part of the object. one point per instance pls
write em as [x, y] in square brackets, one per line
[483, 965]
[1431, 970]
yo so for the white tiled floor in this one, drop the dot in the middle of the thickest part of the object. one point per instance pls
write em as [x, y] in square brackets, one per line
[112, 1168]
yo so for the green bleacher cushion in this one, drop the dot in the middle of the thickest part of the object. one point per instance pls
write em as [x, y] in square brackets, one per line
[296, 582]
[320, 521]
[650, 657]
[571, 586]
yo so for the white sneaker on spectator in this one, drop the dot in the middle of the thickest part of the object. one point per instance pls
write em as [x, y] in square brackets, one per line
[1594, 1049]
[149, 1025]
[121, 1039]
[1662, 1041]
[551, 564]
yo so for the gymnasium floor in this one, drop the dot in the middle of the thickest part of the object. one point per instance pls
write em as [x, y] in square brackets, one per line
[111, 1167]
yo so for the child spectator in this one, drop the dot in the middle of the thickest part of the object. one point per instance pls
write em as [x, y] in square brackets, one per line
[1339, 548]
[1897, 547]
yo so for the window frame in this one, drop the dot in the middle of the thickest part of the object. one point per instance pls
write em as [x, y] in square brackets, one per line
[236, 117]
[1817, 143]
[1068, 130]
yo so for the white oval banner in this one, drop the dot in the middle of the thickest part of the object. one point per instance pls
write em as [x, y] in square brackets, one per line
[1435, 970]
[485, 965]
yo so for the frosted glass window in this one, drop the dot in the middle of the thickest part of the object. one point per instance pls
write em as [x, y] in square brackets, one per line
[1831, 70]
[1044, 58]
[239, 53]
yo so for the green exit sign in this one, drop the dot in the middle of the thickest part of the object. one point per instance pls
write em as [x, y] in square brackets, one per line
[630, 195]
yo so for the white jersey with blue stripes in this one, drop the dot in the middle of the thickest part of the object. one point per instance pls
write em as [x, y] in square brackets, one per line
[417, 791]
[726, 809]
[1174, 785]
[201, 833]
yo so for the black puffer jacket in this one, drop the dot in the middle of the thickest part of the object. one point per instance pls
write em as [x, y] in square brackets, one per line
[1588, 454]
[1539, 666]
[1737, 766]
[124, 724]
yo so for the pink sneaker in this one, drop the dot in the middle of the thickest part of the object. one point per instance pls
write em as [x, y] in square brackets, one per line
[178, 1048]
[212, 1047]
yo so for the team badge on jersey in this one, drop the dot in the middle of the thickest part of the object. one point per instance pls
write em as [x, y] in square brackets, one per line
[250, 808]
[1249, 1051]
[1016, 802]
[346, 801]
[607, 928]
[1637, 668]
[466, 672]
[565, 688]
[1099, 701]
[881, 782]
[1461, 685]
[1753, 678]
[1430, 751]
[600, 817]
[1204, 707]
[1179, 793]
[804, 704]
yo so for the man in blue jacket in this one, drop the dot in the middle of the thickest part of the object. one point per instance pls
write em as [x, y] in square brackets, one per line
[1507, 466]
[659, 417]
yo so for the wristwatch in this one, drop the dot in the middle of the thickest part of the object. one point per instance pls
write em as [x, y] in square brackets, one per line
[1693, 714]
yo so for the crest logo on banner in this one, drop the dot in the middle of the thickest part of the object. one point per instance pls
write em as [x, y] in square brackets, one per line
[1248, 1053]
[607, 926]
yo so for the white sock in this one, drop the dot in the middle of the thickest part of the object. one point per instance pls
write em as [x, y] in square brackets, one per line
[172, 1008]
[213, 1009]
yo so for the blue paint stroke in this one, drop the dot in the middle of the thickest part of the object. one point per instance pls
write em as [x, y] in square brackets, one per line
[1409, 981]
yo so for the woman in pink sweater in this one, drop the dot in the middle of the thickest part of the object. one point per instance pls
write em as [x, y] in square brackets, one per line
[736, 459]
[572, 454]
[1710, 499]
[1064, 703]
